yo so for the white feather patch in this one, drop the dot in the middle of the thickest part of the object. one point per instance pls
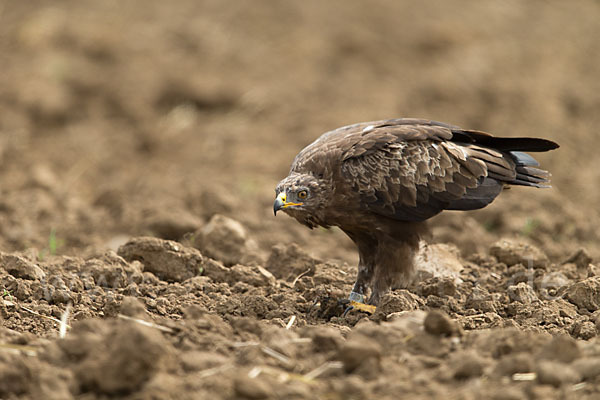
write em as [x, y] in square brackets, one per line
[368, 128]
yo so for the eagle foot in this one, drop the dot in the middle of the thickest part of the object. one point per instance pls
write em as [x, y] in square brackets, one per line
[360, 307]
[356, 301]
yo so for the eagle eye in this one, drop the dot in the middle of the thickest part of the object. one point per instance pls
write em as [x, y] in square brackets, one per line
[302, 194]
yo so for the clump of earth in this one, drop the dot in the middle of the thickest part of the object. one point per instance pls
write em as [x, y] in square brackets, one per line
[161, 318]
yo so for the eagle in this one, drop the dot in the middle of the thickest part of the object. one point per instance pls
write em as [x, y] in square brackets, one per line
[380, 181]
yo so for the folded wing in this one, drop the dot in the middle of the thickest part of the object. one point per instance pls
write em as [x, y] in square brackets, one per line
[410, 170]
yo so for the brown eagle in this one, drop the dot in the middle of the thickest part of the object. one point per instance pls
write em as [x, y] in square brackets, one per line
[379, 181]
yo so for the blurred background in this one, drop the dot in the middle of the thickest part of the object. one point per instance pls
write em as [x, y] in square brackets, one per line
[148, 117]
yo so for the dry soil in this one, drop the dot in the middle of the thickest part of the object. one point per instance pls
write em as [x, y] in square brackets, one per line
[140, 144]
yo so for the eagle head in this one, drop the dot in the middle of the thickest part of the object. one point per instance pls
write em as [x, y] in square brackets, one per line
[304, 197]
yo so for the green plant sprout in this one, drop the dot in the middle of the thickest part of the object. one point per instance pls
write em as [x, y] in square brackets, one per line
[6, 293]
[531, 225]
[54, 243]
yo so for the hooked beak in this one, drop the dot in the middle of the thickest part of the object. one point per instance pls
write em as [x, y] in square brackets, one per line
[280, 202]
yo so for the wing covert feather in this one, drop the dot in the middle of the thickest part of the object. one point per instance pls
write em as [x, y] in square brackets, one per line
[414, 179]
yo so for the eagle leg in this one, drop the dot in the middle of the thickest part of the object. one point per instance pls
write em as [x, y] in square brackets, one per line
[366, 264]
[357, 297]
[377, 293]
[382, 284]
[394, 264]
[362, 282]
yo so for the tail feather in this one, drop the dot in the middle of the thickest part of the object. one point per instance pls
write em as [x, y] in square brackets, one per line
[527, 173]
[507, 164]
[536, 174]
[505, 143]
[521, 158]
[520, 182]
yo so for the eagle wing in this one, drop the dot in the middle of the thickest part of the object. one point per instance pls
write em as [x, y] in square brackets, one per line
[410, 170]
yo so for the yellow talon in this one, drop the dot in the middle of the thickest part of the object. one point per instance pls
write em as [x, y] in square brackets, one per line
[363, 307]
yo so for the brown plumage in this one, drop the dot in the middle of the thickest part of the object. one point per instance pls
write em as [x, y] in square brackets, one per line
[379, 181]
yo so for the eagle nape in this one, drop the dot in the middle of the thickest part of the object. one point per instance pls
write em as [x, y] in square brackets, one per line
[380, 181]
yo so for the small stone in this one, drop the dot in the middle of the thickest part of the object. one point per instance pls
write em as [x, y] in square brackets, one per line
[565, 309]
[556, 373]
[424, 343]
[215, 270]
[580, 258]
[584, 330]
[226, 240]
[170, 261]
[398, 300]
[358, 351]
[511, 252]
[585, 294]
[438, 323]
[514, 363]
[254, 276]
[409, 322]
[437, 287]
[480, 299]
[562, 348]
[501, 342]
[126, 357]
[60, 296]
[468, 366]
[132, 307]
[132, 290]
[439, 261]
[20, 267]
[518, 273]
[552, 281]
[326, 339]
[172, 224]
[105, 273]
[149, 278]
[21, 289]
[288, 261]
[522, 292]
[266, 273]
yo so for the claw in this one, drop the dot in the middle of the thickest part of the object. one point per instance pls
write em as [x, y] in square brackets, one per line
[347, 310]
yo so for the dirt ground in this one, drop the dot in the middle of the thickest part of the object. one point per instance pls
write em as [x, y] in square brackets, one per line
[140, 145]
